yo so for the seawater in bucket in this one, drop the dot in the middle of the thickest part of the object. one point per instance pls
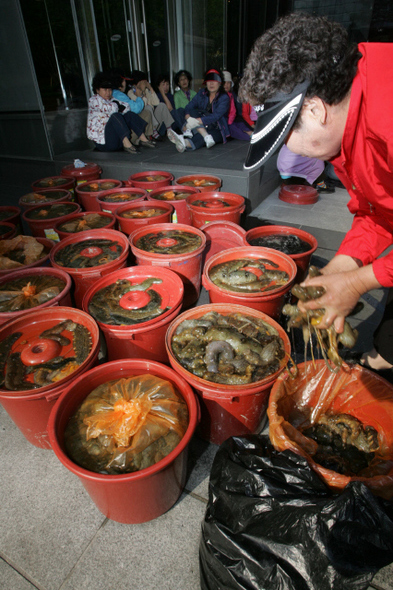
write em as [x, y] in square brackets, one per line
[125, 195]
[143, 495]
[145, 339]
[168, 194]
[151, 179]
[188, 265]
[228, 410]
[107, 219]
[88, 191]
[30, 409]
[128, 224]
[45, 227]
[215, 206]
[48, 197]
[203, 182]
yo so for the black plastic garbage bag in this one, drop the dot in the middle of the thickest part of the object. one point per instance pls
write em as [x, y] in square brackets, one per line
[272, 524]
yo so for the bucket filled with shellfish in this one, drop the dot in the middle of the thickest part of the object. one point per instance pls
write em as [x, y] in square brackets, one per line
[89, 256]
[151, 180]
[215, 206]
[85, 221]
[177, 197]
[41, 352]
[132, 216]
[295, 242]
[87, 192]
[203, 182]
[340, 421]
[43, 218]
[24, 252]
[123, 428]
[109, 201]
[231, 355]
[256, 277]
[178, 247]
[39, 287]
[133, 307]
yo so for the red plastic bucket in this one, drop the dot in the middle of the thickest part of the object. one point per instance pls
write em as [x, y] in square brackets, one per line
[90, 171]
[88, 191]
[221, 236]
[216, 207]
[11, 214]
[85, 277]
[354, 391]
[228, 410]
[197, 182]
[63, 298]
[48, 245]
[109, 219]
[145, 339]
[188, 266]
[298, 194]
[269, 302]
[302, 260]
[45, 227]
[129, 224]
[181, 211]
[53, 182]
[129, 498]
[141, 180]
[30, 409]
[7, 230]
[128, 195]
[49, 196]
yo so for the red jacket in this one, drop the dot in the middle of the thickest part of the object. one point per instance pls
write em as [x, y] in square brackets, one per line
[365, 163]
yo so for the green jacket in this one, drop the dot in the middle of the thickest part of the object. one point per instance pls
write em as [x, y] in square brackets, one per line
[181, 100]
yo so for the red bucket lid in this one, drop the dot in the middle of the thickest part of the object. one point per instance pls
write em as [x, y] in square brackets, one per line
[298, 194]
[89, 168]
[221, 235]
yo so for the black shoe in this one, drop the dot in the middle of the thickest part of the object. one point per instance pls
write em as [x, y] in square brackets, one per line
[324, 187]
[147, 143]
[131, 150]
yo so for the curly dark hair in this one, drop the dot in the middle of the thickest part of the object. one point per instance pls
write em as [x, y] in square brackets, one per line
[300, 47]
[101, 80]
[182, 73]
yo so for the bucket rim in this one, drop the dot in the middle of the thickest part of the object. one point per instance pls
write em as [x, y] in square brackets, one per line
[30, 210]
[163, 227]
[285, 230]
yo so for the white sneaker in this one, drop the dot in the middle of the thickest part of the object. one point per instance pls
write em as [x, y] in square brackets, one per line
[188, 133]
[177, 139]
[209, 141]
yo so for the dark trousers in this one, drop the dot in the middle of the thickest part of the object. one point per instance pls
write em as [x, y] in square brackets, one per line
[383, 335]
[197, 140]
[117, 128]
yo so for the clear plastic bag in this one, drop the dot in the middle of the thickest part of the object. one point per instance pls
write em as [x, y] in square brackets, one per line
[126, 425]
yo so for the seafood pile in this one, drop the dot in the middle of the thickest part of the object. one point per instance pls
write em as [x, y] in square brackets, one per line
[199, 182]
[73, 348]
[248, 275]
[107, 305]
[204, 203]
[286, 243]
[171, 196]
[126, 425]
[120, 197]
[327, 339]
[234, 349]
[20, 251]
[88, 253]
[92, 187]
[344, 444]
[141, 213]
[88, 221]
[29, 291]
[42, 198]
[51, 211]
[169, 242]
[51, 182]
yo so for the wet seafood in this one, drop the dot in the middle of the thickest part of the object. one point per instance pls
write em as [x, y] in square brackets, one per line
[248, 275]
[51, 211]
[151, 178]
[234, 349]
[171, 195]
[15, 373]
[88, 253]
[345, 445]
[40, 198]
[50, 182]
[92, 187]
[106, 305]
[202, 203]
[141, 213]
[20, 251]
[199, 182]
[286, 243]
[28, 292]
[169, 242]
[88, 221]
[5, 349]
[328, 339]
[120, 197]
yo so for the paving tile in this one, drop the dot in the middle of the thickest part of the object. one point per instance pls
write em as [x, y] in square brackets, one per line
[162, 553]
[200, 460]
[10, 579]
[384, 578]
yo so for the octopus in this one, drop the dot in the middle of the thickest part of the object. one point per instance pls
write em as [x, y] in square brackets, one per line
[88, 221]
[106, 304]
[51, 211]
[344, 444]
[42, 198]
[142, 213]
[28, 292]
[93, 187]
[248, 275]
[288, 243]
[234, 349]
[88, 253]
[120, 197]
[50, 182]
[169, 242]
[328, 339]
[172, 195]
[199, 182]
[20, 251]
[204, 203]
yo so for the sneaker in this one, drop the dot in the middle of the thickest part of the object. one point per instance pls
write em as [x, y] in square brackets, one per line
[177, 139]
[188, 133]
[156, 135]
[209, 141]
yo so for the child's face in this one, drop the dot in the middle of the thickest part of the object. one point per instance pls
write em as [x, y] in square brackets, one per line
[227, 86]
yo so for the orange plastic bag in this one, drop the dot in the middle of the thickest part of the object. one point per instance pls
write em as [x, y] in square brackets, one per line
[296, 403]
[126, 425]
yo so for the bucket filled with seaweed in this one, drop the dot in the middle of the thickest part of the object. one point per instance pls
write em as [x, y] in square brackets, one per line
[230, 355]
[124, 428]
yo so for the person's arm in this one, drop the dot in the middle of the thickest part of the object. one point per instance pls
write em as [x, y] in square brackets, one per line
[164, 97]
[221, 108]
[136, 105]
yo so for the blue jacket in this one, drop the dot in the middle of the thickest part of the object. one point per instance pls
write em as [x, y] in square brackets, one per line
[219, 114]
[136, 106]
